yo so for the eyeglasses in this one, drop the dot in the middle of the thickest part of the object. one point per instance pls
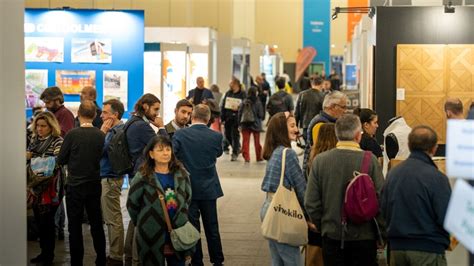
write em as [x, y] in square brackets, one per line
[342, 106]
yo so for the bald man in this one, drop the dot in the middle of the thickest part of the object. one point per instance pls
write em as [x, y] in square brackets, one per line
[89, 93]
[453, 108]
[200, 93]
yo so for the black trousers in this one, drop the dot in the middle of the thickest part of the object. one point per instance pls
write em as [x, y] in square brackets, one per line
[77, 198]
[44, 219]
[232, 135]
[208, 210]
[356, 253]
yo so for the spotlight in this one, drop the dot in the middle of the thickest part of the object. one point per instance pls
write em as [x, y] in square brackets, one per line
[449, 8]
[334, 16]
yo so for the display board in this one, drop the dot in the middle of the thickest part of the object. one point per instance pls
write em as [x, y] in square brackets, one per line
[317, 29]
[173, 80]
[429, 74]
[76, 48]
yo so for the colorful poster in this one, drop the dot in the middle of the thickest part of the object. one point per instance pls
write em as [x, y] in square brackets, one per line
[354, 18]
[116, 86]
[174, 81]
[317, 29]
[304, 59]
[43, 49]
[91, 51]
[351, 77]
[36, 80]
[72, 81]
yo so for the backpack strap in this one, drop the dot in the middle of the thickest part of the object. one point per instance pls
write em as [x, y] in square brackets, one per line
[364, 168]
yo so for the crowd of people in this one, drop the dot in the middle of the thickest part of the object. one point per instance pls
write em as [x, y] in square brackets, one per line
[174, 181]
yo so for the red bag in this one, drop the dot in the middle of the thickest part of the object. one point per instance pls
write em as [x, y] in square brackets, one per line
[360, 201]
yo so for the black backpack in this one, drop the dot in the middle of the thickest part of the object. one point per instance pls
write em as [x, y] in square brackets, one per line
[248, 116]
[119, 155]
[276, 103]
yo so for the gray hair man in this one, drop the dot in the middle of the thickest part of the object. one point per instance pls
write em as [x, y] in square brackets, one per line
[334, 106]
[330, 173]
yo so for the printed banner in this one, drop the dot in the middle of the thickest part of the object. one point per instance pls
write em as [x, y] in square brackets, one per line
[91, 51]
[72, 81]
[354, 18]
[36, 80]
[316, 29]
[116, 86]
[44, 49]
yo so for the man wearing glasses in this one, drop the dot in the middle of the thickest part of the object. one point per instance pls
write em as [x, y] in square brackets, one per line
[334, 106]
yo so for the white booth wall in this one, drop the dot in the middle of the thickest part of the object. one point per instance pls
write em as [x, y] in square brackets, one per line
[12, 135]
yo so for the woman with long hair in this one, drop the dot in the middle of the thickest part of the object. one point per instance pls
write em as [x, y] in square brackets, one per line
[370, 123]
[281, 131]
[326, 141]
[45, 190]
[250, 121]
[160, 173]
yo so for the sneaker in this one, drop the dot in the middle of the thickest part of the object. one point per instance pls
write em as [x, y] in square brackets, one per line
[226, 152]
[233, 158]
[247, 161]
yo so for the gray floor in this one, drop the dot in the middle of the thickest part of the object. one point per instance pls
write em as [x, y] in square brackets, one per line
[238, 217]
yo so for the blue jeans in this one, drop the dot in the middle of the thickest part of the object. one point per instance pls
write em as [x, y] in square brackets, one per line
[282, 254]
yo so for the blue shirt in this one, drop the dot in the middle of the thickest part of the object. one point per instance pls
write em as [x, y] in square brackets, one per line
[105, 167]
[293, 177]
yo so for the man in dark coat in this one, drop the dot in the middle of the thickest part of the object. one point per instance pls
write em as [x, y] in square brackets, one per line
[198, 147]
[200, 93]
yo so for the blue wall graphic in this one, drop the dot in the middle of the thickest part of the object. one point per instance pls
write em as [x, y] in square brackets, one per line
[316, 29]
[124, 29]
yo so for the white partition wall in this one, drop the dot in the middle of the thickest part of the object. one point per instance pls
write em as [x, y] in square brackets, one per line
[224, 61]
[12, 135]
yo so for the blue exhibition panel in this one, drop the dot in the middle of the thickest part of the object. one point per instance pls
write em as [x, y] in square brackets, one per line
[121, 31]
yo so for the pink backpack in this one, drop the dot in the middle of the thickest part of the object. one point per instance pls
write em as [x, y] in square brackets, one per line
[360, 201]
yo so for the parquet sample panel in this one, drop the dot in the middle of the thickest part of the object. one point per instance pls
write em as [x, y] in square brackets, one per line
[430, 74]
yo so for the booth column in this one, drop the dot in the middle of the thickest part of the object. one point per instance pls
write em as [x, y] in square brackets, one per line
[12, 135]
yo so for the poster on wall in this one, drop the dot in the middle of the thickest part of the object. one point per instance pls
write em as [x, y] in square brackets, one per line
[91, 51]
[351, 77]
[36, 80]
[44, 49]
[72, 81]
[116, 86]
[174, 81]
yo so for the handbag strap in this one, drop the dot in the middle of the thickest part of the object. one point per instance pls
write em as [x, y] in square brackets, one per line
[283, 162]
[165, 210]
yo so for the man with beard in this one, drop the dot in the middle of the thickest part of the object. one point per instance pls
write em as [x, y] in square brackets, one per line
[139, 132]
[182, 113]
[54, 101]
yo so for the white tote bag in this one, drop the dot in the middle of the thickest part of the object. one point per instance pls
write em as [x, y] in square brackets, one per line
[284, 221]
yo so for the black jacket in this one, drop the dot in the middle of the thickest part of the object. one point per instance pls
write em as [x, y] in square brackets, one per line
[308, 105]
[227, 114]
[414, 203]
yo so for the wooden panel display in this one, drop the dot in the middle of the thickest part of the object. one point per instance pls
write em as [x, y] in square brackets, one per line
[430, 74]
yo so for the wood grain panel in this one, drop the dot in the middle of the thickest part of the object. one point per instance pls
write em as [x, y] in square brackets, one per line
[430, 74]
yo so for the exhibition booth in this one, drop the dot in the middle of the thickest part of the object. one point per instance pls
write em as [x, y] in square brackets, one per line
[76, 48]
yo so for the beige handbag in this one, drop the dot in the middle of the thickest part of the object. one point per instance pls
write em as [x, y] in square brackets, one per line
[284, 221]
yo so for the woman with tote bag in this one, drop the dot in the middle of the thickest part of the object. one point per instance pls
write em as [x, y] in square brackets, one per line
[284, 222]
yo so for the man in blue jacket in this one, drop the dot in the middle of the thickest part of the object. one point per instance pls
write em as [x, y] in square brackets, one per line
[414, 203]
[198, 147]
[112, 183]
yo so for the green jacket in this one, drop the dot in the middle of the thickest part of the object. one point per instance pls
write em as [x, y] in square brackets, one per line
[146, 213]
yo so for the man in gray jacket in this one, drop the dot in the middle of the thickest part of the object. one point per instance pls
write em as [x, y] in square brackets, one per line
[330, 174]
